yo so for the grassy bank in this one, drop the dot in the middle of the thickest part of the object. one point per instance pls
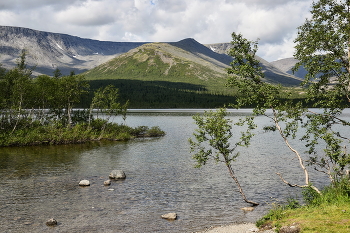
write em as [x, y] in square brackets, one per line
[328, 212]
[56, 133]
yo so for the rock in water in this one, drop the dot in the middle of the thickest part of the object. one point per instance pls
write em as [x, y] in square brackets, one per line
[117, 174]
[51, 222]
[247, 208]
[170, 216]
[107, 182]
[84, 183]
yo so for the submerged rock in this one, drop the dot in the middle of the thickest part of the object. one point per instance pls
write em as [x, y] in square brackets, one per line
[247, 208]
[107, 182]
[51, 222]
[170, 216]
[84, 183]
[117, 174]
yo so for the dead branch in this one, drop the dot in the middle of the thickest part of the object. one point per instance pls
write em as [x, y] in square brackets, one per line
[296, 185]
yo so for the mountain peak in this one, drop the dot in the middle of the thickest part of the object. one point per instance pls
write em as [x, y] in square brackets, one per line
[48, 51]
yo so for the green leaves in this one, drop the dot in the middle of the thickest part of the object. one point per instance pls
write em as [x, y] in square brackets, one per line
[322, 47]
[244, 64]
[213, 138]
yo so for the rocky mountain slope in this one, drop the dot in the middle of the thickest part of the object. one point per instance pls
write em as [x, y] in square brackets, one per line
[286, 65]
[179, 62]
[48, 51]
[186, 57]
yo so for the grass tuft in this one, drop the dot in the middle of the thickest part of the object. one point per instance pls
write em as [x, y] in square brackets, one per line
[328, 212]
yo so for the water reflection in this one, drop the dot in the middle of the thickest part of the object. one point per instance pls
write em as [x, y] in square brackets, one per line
[42, 182]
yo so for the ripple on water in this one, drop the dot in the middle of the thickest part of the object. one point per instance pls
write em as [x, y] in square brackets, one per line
[39, 183]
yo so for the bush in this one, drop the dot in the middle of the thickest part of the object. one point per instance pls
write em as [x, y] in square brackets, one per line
[310, 196]
[30, 132]
[336, 193]
[155, 131]
[140, 131]
[276, 213]
[124, 136]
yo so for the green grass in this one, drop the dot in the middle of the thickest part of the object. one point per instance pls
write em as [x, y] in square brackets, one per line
[329, 212]
[323, 218]
[147, 65]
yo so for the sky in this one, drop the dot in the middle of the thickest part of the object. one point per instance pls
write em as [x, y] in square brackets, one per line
[273, 22]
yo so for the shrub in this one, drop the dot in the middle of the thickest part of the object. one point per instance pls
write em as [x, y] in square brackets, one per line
[310, 196]
[155, 131]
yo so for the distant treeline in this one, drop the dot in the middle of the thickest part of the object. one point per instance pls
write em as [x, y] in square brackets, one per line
[164, 94]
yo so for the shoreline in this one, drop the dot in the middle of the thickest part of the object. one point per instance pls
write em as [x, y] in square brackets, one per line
[235, 228]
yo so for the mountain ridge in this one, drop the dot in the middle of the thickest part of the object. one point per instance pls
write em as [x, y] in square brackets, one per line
[48, 51]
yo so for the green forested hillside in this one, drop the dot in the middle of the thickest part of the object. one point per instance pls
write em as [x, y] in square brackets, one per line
[184, 74]
[164, 76]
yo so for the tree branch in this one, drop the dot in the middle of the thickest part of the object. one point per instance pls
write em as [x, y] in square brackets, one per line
[296, 185]
[307, 180]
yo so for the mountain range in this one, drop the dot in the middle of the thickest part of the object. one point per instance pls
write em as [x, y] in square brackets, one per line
[47, 51]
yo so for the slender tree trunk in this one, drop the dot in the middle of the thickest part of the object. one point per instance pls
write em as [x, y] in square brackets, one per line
[18, 114]
[232, 174]
[301, 162]
[69, 114]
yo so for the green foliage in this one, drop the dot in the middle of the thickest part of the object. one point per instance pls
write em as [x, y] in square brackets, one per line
[166, 94]
[244, 65]
[288, 117]
[105, 100]
[216, 131]
[310, 196]
[275, 213]
[153, 78]
[330, 206]
[335, 194]
[322, 47]
[154, 131]
[150, 64]
[292, 203]
[56, 133]
[40, 111]
[145, 131]
[213, 140]
[247, 79]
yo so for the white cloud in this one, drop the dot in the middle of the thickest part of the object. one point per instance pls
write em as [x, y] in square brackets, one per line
[207, 21]
[89, 13]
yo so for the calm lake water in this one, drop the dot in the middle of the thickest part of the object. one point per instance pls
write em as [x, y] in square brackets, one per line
[38, 183]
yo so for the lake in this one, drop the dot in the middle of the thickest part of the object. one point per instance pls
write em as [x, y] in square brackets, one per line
[41, 182]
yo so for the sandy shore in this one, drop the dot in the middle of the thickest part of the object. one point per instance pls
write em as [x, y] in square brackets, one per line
[236, 228]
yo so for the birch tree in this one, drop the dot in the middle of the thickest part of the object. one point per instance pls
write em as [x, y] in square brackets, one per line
[323, 49]
[213, 140]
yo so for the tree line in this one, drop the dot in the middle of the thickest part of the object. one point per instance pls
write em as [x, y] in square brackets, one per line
[42, 110]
